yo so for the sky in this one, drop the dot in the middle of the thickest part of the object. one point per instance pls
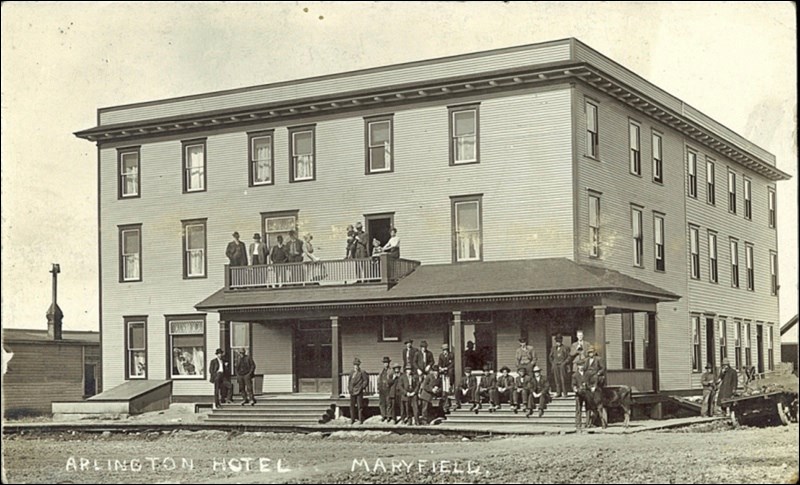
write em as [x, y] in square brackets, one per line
[736, 62]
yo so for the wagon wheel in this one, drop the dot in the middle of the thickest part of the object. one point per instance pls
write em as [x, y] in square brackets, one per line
[783, 413]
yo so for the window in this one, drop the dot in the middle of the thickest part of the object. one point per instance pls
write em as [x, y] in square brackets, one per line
[748, 262]
[638, 239]
[635, 154]
[773, 272]
[738, 345]
[240, 339]
[628, 352]
[467, 230]
[592, 138]
[692, 174]
[771, 206]
[734, 263]
[711, 182]
[276, 224]
[697, 352]
[187, 347]
[302, 154]
[732, 192]
[390, 329]
[379, 144]
[748, 357]
[770, 354]
[594, 225]
[658, 160]
[464, 132]
[713, 272]
[748, 202]
[723, 339]
[135, 347]
[194, 166]
[694, 246]
[194, 249]
[658, 229]
[128, 163]
[261, 153]
[130, 253]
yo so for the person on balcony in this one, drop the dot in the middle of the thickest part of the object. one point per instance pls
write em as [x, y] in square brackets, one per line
[377, 250]
[408, 387]
[278, 255]
[447, 369]
[258, 251]
[559, 360]
[359, 382]
[430, 389]
[522, 384]
[360, 242]
[351, 242]
[525, 356]
[394, 392]
[294, 248]
[308, 248]
[384, 379]
[539, 393]
[393, 246]
[236, 252]
[424, 358]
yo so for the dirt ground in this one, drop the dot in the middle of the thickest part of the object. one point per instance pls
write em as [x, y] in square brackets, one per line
[710, 453]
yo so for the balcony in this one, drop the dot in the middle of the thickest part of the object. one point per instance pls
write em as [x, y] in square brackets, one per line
[381, 269]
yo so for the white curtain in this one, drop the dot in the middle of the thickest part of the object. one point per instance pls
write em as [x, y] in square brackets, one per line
[195, 160]
[132, 266]
[304, 167]
[261, 159]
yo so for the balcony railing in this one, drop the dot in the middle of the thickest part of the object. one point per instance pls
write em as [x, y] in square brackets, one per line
[378, 269]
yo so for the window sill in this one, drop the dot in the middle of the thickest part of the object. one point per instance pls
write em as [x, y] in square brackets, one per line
[195, 277]
[596, 159]
[130, 281]
[657, 182]
[467, 162]
[262, 184]
[294, 181]
[378, 172]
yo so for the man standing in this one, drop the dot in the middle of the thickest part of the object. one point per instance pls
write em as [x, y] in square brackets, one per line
[383, 389]
[359, 382]
[559, 359]
[522, 384]
[408, 386]
[278, 256]
[540, 393]
[294, 248]
[526, 356]
[578, 351]
[411, 356]
[424, 359]
[581, 386]
[258, 251]
[726, 383]
[505, 387]
[394, 391]
[471, 357]
[217, 371]
[430, 389]
[236, 252]
[594, 367]
[708, 381]
[245, 368]
[447, 369]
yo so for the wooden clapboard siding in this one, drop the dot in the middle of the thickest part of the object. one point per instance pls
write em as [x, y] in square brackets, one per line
[372, 78]
[619, 189]
[613, 349]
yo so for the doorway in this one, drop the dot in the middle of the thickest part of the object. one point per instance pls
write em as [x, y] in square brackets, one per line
[710, 347]
[379, 226]
[760, 347]
[312, 356]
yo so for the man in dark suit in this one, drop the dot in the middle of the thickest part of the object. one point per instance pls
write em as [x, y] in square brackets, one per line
[383, 389]
[522, 383]
[294, 248]
[394, 392]
[559, 360]
[258, 250]
[430, 389]
[359, 382]
[505, 387]
[726, 383]
[488, 387]
[471, 357]
[539, 392]
[424, 358]
[245, 368]
[468, 392]
[581, 385]
[594, 367]
[411, 356]
[408, 388]
[447, 369]
[218, 371]
[236, 252]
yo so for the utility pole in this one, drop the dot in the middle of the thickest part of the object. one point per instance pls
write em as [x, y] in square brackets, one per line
[54, 314]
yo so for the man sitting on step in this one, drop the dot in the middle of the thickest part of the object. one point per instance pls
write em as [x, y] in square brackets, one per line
[539, 392]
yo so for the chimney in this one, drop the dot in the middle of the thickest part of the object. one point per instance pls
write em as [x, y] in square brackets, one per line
[54, 314]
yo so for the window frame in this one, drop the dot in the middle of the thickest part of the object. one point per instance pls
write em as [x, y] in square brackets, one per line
[454, 202]
[594, 232]
[697, 343]
[185, 224]
[292, 132]
[127, 321]
[713, 260]
[772, 208]
[711, 181]
[121, 230]
[185, 145]
[638, 242]
[737, 344]
[634, 152]
[592, 137]
[722, 336]
[773, 273]
[451, 113]
[234, 348]
[169, 344]
[276, 215]
[694, 257]
[748, 343]
[659, 221]
[628, 346]
[251, 162]
[121, 153]
[770, 347]
[658, 158]
[368, 122]
[732, 191]
[749, 265]
[747, 187]
[733, 248]
[691, 161]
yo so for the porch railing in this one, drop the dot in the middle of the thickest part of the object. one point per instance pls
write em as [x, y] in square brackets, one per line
[378, 269]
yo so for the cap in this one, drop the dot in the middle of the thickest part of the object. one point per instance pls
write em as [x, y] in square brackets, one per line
[424, 343]
[356, 361]
[522, 370]
[408, 341]
[219, 351]
[256, 236]
[470, 343]
[386, 360]
[505, 369]
[236, 234]
[408, 367]
[592, 350]
[397, 365]
[536, 369]
[358, 224]
[445, 347]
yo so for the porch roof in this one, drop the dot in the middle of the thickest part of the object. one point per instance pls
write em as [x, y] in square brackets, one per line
[554, 277]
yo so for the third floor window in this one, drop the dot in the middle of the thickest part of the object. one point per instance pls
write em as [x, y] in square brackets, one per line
[379, 144]
[732, 192]
[748, 199]
[261, 155]
[658, 160]
[592, 137]
[771, 207]
[692, 170]
[711, 183]
[635, 152]
[194, 166]
[302, 163]
[128, 172]
[464, 135]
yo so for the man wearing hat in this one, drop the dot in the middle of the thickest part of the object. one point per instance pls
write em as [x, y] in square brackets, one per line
[236, 252]
[468, 392]
[559, 360]
[424, 358]
[408, 387]
[525, 356]
[218, 371]
[522, 384]
[505, 387]
[726, 382]
[578, 350]
[411, 356]
[383, 389]
[595, 370]
[471, 357]
[447, 369]
[294, 248]
[258, 251]
[488, 387]
[709, 382]
[430, 389]
[540, 392]
[394, 391]
[359, 382]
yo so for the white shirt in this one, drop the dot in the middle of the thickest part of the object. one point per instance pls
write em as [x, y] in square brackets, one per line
[255, 248]
[394, 242]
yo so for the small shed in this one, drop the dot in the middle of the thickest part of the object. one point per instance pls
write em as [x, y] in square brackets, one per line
[789, 342]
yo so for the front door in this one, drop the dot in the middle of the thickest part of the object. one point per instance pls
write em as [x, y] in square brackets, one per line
[710, 347]
[312, 356]
[379, 226]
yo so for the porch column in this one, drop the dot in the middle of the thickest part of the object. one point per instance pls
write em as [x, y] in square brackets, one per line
[335, 358]
[225, 338]
[458, 349]
[600, 329]
[652, 345]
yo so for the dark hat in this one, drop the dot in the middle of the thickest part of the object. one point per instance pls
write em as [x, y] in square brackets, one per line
[470, 343]
[235, 233]
[356, 361]
[522, 370]
[386, 360]
[408, 341]
[522, 340]
[219, 351]
[408, 367]
[709, 366]
[467, 369]
[559, 338]
[487, 366]
[505, 369]
[256, 236]
[424, 343]
[435, 367]
[397, 365]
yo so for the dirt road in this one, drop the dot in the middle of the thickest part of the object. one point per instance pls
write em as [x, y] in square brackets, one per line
[715, 456]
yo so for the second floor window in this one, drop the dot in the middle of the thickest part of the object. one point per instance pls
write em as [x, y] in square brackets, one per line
[261, 154]
[748, 262]
[463, 135]
[734, 263]
[130, 253]
[658, 228]
[194, 166]
[713, 273]
[732, 192]
[635, 149]
[694, 247]
[748, 200]
[638, 238]
[302, 154]
[771, 206]
[711, 183]
[467, 233]
[594, 225]
[194, 249]
[692, 169]
[658, 160]
[773, 272]
[592, 137]
[379, 145]
[128, 173]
